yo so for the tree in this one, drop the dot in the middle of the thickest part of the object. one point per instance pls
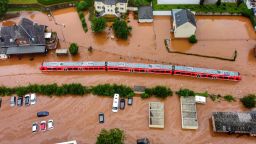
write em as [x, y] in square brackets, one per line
[249, 101]
[238, 2]
[218, 3]
[121, 29]
[99, 24]
[73, 49]
[113, 136]
[192, 39]
[201, 2]
[3, 7]
[83, 5]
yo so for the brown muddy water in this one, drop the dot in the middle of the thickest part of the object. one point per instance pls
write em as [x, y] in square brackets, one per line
[216, 35]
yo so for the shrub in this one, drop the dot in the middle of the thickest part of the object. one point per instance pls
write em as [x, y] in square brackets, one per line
[192, 39]
[73, 49]
[82, 5]
[229, 98]
[185, 92]
[205, 94]
[121, 29]
[145, 95]
[98, 24]
[113, 136]
[110, 90]
[158, 91]
[218, 3]
[82, 19]
[249, 101]
[3, 7]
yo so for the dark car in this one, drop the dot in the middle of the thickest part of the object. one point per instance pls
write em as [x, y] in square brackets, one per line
[42, 113]
[0, 101]
[130, 101]
[20, 101]
[143, 141]
[101, 117]
[122, 104]
[27, 100]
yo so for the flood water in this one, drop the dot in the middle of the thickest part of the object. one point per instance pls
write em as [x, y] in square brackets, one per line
[216, 36]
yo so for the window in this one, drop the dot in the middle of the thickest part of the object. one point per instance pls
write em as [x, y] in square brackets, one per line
[98, 7]
[121, 8]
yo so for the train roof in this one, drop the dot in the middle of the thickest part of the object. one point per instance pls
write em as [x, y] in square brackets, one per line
[140, 65]
[204, 70]
[89, 63]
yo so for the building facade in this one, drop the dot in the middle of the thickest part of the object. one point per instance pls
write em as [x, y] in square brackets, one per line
[111, 7]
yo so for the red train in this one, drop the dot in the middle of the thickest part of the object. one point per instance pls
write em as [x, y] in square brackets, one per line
[141, 68]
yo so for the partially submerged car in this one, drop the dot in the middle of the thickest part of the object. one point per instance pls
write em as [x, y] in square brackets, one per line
[35, 127]
[101, 117]
[143, 141]
[122, 104]
[27, 99]
[13, 101]
[32, 98]
[0, 101]
[130, 101]
[115, 103]
[20, 101]
[42, 113]
[50, 124]
[43, 125]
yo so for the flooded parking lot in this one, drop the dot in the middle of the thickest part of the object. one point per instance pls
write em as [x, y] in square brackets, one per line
[216, 36]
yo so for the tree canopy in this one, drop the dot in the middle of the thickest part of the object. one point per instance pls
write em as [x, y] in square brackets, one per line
[3, 7]
[121, 29]
[73, 49]
[113, 136]
[98, 24]
[249, 101]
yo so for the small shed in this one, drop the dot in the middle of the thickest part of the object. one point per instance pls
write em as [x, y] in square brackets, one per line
[184, 23]
[62, 51]
[200, 99]
[139, 89]
[145, 14]
[188, 113]
[47, 35]
[156, 115]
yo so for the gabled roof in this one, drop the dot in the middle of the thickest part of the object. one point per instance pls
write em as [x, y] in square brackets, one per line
[112, 2]
[25, 50]
[145, 12]
[184, 16]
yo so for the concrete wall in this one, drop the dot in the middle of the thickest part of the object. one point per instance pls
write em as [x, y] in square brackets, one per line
[162, 13]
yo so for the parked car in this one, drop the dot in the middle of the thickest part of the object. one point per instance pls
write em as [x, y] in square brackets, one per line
[0, 101]
[20, 101]
[43, 125]
[13, 101]
[115, 103]
[27, 100]
[130, 101]
[33, 99]
[50, 124]
[35, 127]
[101, 117]
[42, 113]
[122, 104]
[143, 141]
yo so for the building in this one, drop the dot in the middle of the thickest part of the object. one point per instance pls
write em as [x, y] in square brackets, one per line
[145, 14]
[111, 7]
[234, 122]
[156, 115]
[68, 142]
[188, 113]
[184, 23]
[25, 38]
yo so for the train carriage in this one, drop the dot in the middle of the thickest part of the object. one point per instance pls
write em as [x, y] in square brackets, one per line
[73, 66]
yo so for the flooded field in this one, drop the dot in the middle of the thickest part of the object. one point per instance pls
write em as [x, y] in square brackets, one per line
[216, 35]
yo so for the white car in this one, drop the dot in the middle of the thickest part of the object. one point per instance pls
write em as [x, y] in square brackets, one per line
[50, 124]
[32, 98]
[35, 127]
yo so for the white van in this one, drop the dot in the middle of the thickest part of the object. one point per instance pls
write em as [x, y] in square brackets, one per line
[33, 99]
[115, 103]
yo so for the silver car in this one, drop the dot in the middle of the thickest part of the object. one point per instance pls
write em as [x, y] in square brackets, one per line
[13, 101]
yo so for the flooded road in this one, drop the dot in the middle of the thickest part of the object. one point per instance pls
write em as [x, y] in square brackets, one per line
[216, 36]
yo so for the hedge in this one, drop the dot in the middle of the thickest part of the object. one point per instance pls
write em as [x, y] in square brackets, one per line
[249, 101]
[185, 92]
[158, 91]
[82, 18]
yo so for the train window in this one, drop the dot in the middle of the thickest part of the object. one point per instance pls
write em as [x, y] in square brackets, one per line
[74, 68]
[203, 75]
[225, 77]
[177, 72]
[49, 68]
[59, 68]
[69, 68]
[142, 70]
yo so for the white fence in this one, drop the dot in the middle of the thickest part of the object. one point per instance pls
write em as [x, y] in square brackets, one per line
[162, 13]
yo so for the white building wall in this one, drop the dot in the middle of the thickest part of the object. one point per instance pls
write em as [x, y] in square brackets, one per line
[98, 6]
[145, 20]
[184, 31]
[178, 1]
[122, 7]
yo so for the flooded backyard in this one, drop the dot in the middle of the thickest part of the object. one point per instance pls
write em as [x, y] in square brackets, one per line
[218, 36]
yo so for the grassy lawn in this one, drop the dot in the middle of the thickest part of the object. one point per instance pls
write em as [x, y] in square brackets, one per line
[22, 1]
[224, 7]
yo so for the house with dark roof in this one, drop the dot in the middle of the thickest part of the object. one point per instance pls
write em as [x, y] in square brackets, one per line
[234, 122]
[111, 7]
[184, 23]
[26, 37]
[145, 14]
